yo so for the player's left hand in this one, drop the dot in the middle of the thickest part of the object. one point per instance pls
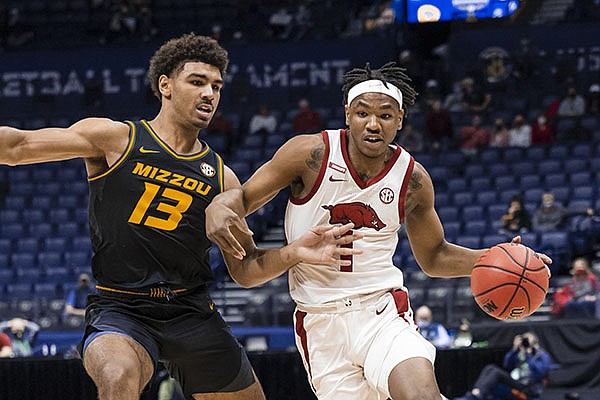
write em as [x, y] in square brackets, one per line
[544, 257]
[322, 244]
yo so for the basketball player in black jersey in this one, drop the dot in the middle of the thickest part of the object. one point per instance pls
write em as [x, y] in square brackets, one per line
[150, 182]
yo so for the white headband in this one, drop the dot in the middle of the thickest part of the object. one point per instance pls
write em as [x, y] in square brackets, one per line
[375, 86]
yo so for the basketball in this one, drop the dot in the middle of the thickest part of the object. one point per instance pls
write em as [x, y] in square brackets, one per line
[509, 281]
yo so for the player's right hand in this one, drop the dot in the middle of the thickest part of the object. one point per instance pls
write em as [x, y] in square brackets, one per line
[221, 223]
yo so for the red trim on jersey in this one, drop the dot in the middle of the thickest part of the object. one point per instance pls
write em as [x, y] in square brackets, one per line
[404, 188]
[301, 332]
[376, 178]
[313, 190]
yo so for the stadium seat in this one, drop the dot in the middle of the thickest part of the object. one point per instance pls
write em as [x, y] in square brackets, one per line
[40, 230]
[42, 202]
[253, 142]
[582, 178]
[472, 213]
[451, 159]
[496, 211]
[590, 123]
[474, 170]
[492, 239]
[58, 274]
[77, 258]
[10, 216]
[27, 245]
[574, 165]
[580, 204]
[507, 195]
[48, 188]
[81, 243]
[442, 199]
[45, 290]
[512, 154]
[13, 202]
[21, 188]
[67, 229]
[438, 174]
[520, 168]
[533, 195]
[531, 181]
[50, 259]
[77, 187]
[489, 156]
[530, 239]
[561, 194]
[475, 228]
[556, 243]
[472, 241]
[6, 246]
[478, 183]
[581, 151]
[27, 274]
[535, 153]
[274, 139]
[555, 180]
[461, 199]
[485, 197]
[454, 185]
[583, 193]
[54, 244]
[505, 182]
[558, 152]
[417, 296]
[549, 167]
[496, 170]
[34, 216]
[451, 230]
[23, 260]
[6, 275]
[68, 201]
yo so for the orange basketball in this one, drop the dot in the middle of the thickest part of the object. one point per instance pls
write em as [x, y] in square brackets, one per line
[509, 281]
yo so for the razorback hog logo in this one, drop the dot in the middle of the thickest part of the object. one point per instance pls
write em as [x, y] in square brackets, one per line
[361, 214]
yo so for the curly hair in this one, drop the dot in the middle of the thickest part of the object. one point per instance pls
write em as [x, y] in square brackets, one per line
[172, 56]
[388, 73]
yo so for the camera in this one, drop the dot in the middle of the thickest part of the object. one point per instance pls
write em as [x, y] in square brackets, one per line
[525, 342]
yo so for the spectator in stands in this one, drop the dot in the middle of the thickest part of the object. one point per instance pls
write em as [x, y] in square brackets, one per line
[307, 119]
[476, 101]
[592, 106]
[454, 101]
[77, 298]
[435, 332]
[410, 138]
[263, 122]
[474, 137]
[519, 134]
[578, 298]
[280, 23]
[5, 346]
[522, 374]
[499, 136]
[542, 131]
[22, 335]
[550, 215]
[517, 218]
[573, 105]
[438, 125]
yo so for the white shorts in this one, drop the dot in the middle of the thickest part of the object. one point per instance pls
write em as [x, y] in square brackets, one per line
[350, 355]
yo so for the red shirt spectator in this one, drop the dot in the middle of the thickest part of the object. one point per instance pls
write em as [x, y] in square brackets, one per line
[5, 348]
[474, 137]
[307, 120]
[438, 124]
[542, 132]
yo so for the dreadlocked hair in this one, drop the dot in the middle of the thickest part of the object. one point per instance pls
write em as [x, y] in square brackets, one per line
[388, 73]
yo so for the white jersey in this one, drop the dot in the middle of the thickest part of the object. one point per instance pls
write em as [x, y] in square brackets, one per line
[376, 208]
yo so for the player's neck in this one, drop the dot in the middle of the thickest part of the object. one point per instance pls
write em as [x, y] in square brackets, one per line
[367, 167]
[181, 138]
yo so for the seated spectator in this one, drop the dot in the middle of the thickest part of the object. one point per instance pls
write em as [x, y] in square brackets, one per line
[474, 137]
[438, 125]
[542, 132]
[573, 105]
[5, 347]
[476, 101]
[410, 139]
[454, 101]
[550, 215]
[517, 218]
[578, 298]
[307, 120]
[77, 298]
[522, 374]
[592, 106]
[434, 332]
[499, 135]
[519, 134]
[22, 335]
[263, 122]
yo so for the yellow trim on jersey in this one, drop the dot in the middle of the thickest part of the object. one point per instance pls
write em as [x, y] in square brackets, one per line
[123, 156]
[221, 173]
[168, 149]
[152, 292]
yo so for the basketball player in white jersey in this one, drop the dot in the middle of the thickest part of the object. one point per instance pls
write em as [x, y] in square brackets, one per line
[354, 326]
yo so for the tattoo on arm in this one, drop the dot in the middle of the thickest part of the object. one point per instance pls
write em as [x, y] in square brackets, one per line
[316, 157]
[415, 180]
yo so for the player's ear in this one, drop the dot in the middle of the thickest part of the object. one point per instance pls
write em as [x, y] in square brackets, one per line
[164, 86]
[347, 113]
[401, 118]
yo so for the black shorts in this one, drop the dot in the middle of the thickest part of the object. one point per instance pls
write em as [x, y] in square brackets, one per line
[186, 333]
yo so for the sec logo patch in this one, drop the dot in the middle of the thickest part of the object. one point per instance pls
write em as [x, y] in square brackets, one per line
[207, 170]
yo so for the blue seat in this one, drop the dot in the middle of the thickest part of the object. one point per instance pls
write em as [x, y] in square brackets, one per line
[451, 159]
[77, 187]
[21, 188]
[34, 216]
[495, 170]
[489, 156]
[14, 202]
[472, 213]
[507, 195]
[451, 230]
[58, 274]
[530, 239]
[580, 204]
[438, 174]
[19, 290]
[505, 182]
[535, 153]
[565, 127]
[486, 197]
[41, 230]
[43, 175]
[520, 168]
[461, 199]
[555, 244]
[555, 180]
[275, 139]
[67, 174]
[496, 211]
[448, 214]
[252, 142]
[12, 231]
[46, 290]
[480, 183]
[41, 202]
[48, 188]
[558, 152]
[240, 166]
[549, 167]
[492, 240]
[68, 201]
[80, 215]
[582, 151]
[27, 245]
[19, 174]
[9, 216]
[533, 195]
[582, 193]
[77, 258]
[561, 194]
[590, 123]
[67, 229]
[574, 165]
[471, 241]
[23, 260]
[442, 199]
[59, 215]
[50, 259]
[530, 182]
[475, 228]
[6, 246]
[81, 243]
[454, 185]
[474, 170]
[6, 275]
[30, 274]
[583, 178]
[512, 154]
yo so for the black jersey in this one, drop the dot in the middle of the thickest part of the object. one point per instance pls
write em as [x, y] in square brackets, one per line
[147, 214]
